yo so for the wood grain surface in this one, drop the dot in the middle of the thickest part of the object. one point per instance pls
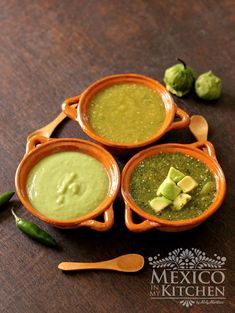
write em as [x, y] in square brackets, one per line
[52, 50]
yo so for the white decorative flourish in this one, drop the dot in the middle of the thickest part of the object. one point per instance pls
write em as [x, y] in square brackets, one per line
[187, 303]
[180, 259]
[187, 259]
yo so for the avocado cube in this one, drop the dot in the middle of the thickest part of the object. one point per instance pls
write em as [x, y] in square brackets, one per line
[181, 200]
[187, 184]
[207, 188]
[159, 203]
[175, 174]
[168, 189]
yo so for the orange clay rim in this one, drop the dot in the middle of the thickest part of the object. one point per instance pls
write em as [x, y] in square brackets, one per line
[60, 145]
[82, 110]
[187, 149]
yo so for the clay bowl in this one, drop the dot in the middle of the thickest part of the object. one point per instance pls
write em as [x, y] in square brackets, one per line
[80, 114]
[151, 221]
[39, 147]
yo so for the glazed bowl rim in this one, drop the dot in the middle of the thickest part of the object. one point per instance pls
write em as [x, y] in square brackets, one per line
[167, 100]
[140, 156]
[114, 183]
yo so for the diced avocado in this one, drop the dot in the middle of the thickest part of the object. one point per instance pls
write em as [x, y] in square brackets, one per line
[175, 174]
[181, 200]
[208, 187]
[159, 203]
[168, 189]
[187, 184]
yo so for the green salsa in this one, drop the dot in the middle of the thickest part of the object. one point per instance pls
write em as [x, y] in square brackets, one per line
[150, 173]
[126, 113]
[67, 185]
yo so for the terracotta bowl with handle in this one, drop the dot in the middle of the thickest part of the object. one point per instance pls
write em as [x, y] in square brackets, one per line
[151, 221]
[80, 114]
[39, 147]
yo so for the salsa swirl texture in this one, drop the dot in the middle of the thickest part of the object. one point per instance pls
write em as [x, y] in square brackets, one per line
[67, 185]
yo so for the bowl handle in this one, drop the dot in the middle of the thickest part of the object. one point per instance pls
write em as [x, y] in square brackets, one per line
[101, 226]
[34, 141]
[183, 123]
[143, 226]
[71, 111]
[206, 146]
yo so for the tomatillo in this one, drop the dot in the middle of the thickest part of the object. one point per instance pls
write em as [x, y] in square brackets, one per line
[179, 79]
[208, 86]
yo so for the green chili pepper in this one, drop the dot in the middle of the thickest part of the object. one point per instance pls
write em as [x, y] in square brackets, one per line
[5, 197]
[33, 231]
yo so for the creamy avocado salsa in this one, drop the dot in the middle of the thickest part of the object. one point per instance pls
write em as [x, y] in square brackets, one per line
[67, 185]
[173, 186]
[126, 113]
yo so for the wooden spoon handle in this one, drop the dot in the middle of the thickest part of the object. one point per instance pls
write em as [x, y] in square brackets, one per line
[76, 266]
[47, 130]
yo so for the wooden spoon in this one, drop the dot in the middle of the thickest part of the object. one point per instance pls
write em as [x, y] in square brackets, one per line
[123, 263]
[199, 127]
[47, 130]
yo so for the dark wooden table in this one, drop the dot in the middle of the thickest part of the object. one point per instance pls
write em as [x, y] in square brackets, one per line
[51, 50]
